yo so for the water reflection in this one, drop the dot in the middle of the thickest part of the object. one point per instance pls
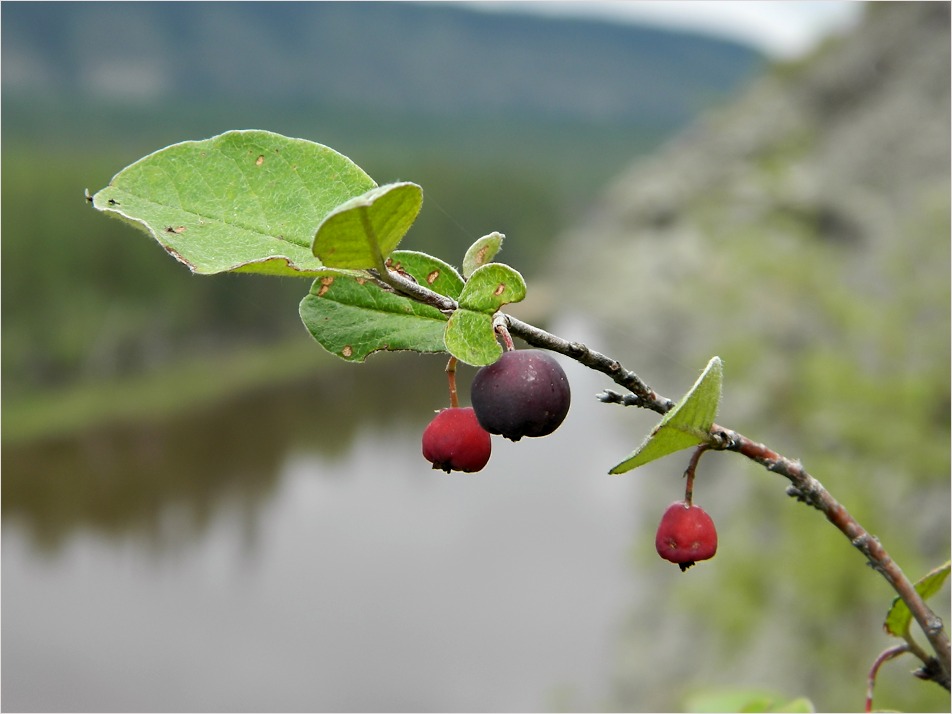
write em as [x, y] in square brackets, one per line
[119, 479]
[291, 550]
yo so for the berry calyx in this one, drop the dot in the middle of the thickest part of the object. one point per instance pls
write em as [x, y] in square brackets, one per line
[454, 441]
[686, 535]
[523, 393]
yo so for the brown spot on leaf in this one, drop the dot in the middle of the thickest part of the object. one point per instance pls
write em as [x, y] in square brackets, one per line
[347, 351]
[325, 285]
[481, 255]
[177, 229]
[500, 289]
[431, 278]
[259, 160]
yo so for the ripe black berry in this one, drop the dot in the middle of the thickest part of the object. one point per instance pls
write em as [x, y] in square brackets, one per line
[454, 441]
[523, 393]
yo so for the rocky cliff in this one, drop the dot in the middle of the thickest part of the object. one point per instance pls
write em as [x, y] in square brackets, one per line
[842, 158]
[802, 234]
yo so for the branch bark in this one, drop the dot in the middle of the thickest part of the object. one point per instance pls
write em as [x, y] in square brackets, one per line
[803, 486]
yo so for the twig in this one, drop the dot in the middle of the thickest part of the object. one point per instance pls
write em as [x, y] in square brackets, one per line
[803, 486]
[807, 489]
[647, 397]
[884, 657]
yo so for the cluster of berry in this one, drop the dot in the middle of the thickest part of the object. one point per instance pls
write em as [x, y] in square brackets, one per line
[526, 393]
[523, 393]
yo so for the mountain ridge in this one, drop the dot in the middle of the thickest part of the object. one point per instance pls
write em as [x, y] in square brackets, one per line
[433, 59]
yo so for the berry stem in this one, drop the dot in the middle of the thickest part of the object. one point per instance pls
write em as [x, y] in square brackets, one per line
[451, 378]
[889, 654]
[501, 328]
[689, 473]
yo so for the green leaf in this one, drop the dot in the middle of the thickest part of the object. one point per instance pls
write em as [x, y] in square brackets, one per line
[490, 287]
[469, 333]
[482, 252]
[687, 424]
[431, 272]
[352, 317]
[899, 617]
[471, 339]
[363, 231]
[244, 201]
[745, 700]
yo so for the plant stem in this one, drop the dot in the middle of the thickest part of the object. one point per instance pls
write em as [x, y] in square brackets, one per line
[647, 397]
[451, 378]
[884, 657]
[803, 486]
[689, 473]
[807, 489]
[501, 329]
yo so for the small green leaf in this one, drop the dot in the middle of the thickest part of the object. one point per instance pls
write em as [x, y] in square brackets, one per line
[482, 252]
[899, 617]
[471, 339]
[244, 201]
[428, 271]
[687, 424]
[352, 317]
[492, 286]
[363, 231]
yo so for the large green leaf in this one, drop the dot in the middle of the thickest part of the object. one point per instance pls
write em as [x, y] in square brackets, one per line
[245, 201]
[363, 231]
[899, 617]
[687, 424]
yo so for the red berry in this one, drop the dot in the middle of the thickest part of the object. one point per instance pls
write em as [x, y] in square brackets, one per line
[523, 393]
[454, 441]
[686, 534]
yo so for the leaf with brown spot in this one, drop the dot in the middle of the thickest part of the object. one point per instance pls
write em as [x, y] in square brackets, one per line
[438, 276]
[492, 286]
[482, 252]
[352, 317]
[240, 215]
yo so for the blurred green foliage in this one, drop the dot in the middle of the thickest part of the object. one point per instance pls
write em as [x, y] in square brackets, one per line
[88, 298]
[846, 366]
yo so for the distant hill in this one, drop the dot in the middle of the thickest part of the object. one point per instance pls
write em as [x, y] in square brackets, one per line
[432, 59]
[509, 123]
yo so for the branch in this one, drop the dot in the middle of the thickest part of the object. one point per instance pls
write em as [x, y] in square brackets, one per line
[803, 486]
[807, 489]
[645, 396]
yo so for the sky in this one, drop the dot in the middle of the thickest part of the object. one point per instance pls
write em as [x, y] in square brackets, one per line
[782, 29]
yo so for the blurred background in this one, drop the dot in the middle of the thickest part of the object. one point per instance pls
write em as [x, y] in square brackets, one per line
[202, 510]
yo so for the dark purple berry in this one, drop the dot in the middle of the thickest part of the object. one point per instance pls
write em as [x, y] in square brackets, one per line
[523, 393]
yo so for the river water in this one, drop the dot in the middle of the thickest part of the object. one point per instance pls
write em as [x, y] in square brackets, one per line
[291, 550]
